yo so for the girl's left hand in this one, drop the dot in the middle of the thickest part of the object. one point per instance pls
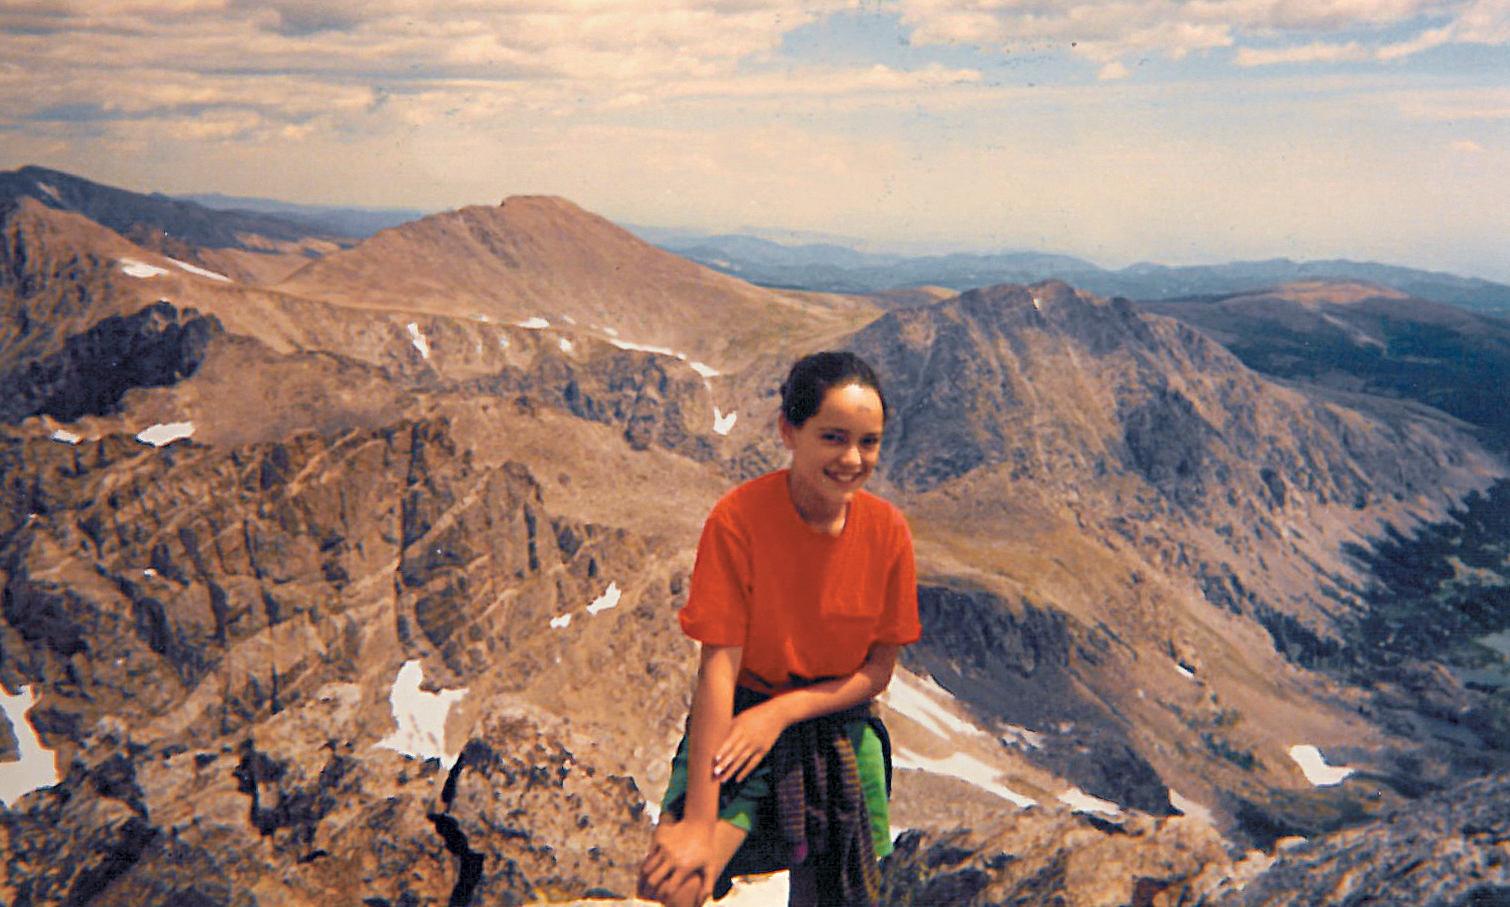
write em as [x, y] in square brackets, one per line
[751, 736]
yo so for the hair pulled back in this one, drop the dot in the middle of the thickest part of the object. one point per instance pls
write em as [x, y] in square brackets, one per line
[812, 376]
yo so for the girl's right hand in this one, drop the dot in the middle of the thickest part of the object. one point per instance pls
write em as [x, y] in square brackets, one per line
[679, 851]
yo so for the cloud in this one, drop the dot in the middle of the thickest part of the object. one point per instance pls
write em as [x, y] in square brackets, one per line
[1112, 31]
[1315, 52]
[1460, 105]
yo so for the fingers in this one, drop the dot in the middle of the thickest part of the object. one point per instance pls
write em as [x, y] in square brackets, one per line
[738, 762]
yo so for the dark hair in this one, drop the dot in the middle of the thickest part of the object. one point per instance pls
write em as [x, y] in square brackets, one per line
[812, 376]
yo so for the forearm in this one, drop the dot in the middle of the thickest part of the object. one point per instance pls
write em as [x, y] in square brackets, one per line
[711, 715]
[840, 693]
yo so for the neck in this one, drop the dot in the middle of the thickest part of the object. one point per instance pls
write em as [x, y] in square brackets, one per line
[818, 513]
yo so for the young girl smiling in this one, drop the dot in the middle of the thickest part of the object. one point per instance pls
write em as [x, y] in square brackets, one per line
[802, 595]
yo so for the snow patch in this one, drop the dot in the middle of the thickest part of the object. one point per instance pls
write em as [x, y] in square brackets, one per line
[38, 767]
[566, 346]
[723, 423]
[1080, 801]
[66, 436]
[1190, 808]
[1314, 766]
[707, 371]
[134, 268]
[609, 599]
[966, 768]
[420, 716]
[165, 433]
[1184, 671]
[418, 338]
[562, 622]
[919, 698]
[195, 269]
[50, 190]
[644, 348]
[1020, 736]
[534, 324]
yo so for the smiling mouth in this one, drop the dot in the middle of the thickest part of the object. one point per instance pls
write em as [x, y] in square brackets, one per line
[847, 479]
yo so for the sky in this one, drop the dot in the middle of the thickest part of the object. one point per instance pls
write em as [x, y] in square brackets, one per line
[1173, 131]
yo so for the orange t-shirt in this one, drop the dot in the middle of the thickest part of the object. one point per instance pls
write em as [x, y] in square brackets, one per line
[799, 601]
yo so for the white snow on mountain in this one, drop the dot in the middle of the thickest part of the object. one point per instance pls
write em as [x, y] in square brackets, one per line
[609, 599]
[165, 433]
[420, 716]
[37, 767]
[141, 269]
[418, 338]
[195, 269]
[1314, 766]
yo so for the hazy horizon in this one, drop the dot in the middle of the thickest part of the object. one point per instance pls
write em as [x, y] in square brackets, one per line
[1169, 132]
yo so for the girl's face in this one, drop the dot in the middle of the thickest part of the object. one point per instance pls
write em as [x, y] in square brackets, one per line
[834, 451]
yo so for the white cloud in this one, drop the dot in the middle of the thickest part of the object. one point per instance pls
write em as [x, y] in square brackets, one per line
[1106, 32]
[1315, 52]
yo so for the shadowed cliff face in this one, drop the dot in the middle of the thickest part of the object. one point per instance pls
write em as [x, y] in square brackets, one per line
[155, 347]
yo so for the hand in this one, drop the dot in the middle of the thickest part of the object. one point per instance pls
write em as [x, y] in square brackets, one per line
[679, 851]
[751, 736]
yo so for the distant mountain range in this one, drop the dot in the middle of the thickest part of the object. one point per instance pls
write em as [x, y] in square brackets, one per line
[839, 269]
[816, 266]
[346, 221]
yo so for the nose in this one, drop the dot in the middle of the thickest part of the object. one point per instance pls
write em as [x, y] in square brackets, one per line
[852, 456]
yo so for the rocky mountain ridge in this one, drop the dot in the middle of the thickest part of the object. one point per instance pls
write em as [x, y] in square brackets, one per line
[1131, 548]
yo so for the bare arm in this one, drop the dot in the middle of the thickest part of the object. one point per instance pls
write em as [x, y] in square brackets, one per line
[712, 713]
[753, 732]
[682, 850]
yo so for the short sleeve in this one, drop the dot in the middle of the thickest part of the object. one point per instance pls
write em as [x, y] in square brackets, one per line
[899, 624]
[717, 611]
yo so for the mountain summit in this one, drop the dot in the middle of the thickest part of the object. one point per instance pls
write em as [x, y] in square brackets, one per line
[538, 257]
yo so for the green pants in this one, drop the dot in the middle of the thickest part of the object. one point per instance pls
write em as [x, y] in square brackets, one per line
[746, 804]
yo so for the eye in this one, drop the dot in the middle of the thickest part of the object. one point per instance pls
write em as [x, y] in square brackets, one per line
[833, 437]
[870, 441]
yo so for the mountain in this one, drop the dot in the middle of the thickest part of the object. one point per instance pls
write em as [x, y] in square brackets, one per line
[1103, 492]
[249, 246]
[839, 269]
[361, 584]
[533, 257]
[1358, 337]
[358, 223]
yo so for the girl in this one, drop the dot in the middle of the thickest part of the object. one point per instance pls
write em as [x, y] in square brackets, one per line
[802, 594]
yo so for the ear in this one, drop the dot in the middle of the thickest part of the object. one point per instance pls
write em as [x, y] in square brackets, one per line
[787, 430]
